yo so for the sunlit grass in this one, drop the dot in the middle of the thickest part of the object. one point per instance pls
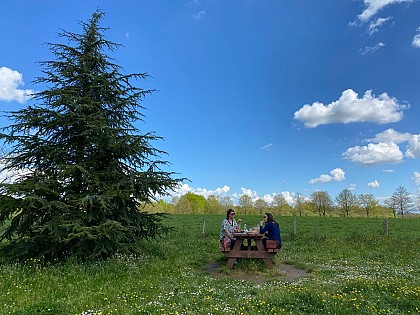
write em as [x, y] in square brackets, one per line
[355, 270]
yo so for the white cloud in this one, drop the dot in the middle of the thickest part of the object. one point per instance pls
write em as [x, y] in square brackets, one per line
[199, 15]
[374, 25]
[10, 80]
[337, 175]
[6, 176]
[222, 192]
[352, 187]
[390, 135]
[371, 49]
[350, 108]
[388, 171]
[374, 6]
[374, 184]
[375, 153]
[416, 178]
[252, 193]
[288, 196]
[217, 192]
[385, 149]
[416, 41]
[185, 188]
[267, 146]
[9, 176]
[268, 198]
[413, 147]
[182, 190]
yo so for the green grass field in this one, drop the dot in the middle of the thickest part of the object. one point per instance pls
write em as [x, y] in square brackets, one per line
[354, 269]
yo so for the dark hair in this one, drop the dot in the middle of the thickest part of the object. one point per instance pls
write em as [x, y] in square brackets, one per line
[270, 218]
[229, 212]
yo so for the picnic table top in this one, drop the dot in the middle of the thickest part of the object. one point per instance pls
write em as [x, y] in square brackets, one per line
[249, 234]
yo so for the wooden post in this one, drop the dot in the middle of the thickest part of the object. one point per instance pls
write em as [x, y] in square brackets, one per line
[386, 230]
[294, 227]
[204, 227]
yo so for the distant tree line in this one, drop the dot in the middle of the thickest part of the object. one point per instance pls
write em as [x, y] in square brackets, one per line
[320, 203]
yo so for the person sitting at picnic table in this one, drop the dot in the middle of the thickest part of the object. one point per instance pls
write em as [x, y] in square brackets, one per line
[229, 225]
[271, 228]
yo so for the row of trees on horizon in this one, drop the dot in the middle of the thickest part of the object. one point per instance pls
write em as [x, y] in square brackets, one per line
[319, 203]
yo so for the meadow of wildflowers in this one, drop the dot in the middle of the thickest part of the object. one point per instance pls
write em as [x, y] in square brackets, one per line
[354, 269]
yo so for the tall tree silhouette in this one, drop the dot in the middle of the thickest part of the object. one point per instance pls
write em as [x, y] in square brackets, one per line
[87, 168]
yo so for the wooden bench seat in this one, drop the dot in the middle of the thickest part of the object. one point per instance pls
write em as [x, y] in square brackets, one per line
[272, 246]
[241, 250]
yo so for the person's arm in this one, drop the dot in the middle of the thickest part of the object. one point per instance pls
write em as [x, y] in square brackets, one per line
[229, 234]
[264, 229]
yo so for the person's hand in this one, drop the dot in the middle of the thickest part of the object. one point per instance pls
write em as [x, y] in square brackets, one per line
[261, 222]
[239, 221]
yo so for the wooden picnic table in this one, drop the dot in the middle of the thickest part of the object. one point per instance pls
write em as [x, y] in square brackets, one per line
[242, 250]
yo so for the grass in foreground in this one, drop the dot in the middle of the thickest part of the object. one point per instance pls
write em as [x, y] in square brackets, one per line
[355, 270]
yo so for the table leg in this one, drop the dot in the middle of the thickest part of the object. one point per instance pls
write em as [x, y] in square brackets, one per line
[260, 247]
[268, 262]
[231, 260]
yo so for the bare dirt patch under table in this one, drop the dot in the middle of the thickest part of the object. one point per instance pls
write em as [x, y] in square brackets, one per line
[286, 273]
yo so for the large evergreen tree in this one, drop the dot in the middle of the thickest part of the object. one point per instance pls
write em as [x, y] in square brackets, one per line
[87, 168]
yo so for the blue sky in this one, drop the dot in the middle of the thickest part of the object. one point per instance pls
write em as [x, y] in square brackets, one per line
[255, 97]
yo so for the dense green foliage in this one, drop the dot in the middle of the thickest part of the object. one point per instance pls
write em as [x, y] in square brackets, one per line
[354, 268]
[188, 204]
[84, 167]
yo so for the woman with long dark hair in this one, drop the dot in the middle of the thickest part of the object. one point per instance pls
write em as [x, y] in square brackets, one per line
[271, 228]
[229, 225]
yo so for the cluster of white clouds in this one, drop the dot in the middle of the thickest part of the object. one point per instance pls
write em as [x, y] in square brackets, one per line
[289, 197]
[371, 49]
[185, 188]
[389, 146]
[376, 24]
[384, 148]
[373, 7]
[349, 108]
[10, 81]
[337, 175]
[223, 192]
